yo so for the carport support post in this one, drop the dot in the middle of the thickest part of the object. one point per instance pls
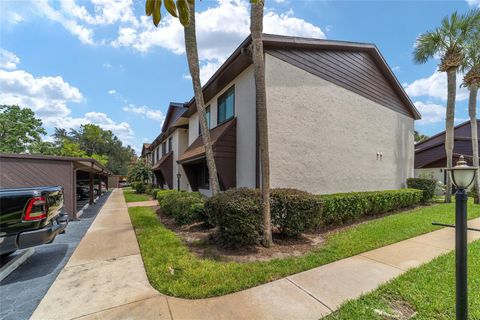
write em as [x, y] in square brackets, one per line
[106, 181]
[99, 185]
[90, 189]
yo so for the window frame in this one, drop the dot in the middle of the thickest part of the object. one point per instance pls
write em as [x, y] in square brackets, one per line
[170, 144]
[209, 123]
[164, 148]
[224, 96]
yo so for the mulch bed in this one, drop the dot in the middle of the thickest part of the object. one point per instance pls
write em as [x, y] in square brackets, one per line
[200, 239]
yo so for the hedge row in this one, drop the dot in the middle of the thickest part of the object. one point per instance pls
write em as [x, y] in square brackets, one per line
[238, 212]
[183, 207]
[347, 207]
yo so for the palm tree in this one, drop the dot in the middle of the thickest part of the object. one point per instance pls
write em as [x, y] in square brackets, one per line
[471, 80]
[185, 11]
[448, 42]
[256, 28]
[419, 137]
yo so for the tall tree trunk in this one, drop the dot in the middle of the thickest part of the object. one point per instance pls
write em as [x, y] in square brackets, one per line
[193, 65]
[256, 28]
[449, 134]
[472, 111]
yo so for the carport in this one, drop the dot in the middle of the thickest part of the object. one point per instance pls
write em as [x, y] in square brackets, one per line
[25, 170]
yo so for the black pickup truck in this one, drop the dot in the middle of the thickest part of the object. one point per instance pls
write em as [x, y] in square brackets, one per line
[30, 217]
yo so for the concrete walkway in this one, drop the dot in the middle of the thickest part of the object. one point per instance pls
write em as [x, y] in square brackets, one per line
[105, 279]
[148, 203]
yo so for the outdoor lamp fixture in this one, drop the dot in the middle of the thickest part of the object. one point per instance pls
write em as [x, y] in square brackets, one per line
[462, 177]
[179, 175]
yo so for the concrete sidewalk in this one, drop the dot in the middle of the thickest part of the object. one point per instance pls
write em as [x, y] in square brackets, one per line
[148, 203]
[105, 279]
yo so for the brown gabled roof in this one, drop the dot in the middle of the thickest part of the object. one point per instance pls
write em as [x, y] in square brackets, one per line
[175, 111]
[240, 60]
[431, 153]
[197, 150]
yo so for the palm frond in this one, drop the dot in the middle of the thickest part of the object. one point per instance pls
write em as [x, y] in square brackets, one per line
[427, 45]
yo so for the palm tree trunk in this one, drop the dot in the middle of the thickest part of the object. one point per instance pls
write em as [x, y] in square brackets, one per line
[256, 28]
[449, 134]
[193, 65]
[472, 111]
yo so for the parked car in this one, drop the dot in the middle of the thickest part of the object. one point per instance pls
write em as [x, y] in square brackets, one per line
[82, 192]
[123, 184]
[30, 217]
[86, 184]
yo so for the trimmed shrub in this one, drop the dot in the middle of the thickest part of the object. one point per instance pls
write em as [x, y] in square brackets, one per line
[139, 187]
[238, 215]
[428, 187]
[346, 207]
[162, 193]
[184, 207]
[294, 211]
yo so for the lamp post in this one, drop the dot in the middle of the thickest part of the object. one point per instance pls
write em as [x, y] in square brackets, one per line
[179, 175]
[462, 176]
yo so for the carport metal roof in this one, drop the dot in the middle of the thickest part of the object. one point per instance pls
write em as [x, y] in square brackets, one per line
[84, 164]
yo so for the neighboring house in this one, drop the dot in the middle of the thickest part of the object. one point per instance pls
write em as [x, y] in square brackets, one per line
[430, 155]
[338, 121]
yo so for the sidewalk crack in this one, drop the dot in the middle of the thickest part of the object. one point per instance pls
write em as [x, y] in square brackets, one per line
[310, 294]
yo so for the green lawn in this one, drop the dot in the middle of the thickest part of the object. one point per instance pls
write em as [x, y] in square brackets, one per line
[131, 196]
[163, 251]
[429, 290]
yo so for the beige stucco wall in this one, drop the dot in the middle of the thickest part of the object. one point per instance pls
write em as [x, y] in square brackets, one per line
[179, 145]
[325, 139]
[246, 126]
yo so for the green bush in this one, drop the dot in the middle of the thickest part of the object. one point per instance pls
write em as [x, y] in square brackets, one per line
[183, 207]
[346, 207]
[139, 187]
[428, 187]
[238, 215]
[162, 193]
[294, 211]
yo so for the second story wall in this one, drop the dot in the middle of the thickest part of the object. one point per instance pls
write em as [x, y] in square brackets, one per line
[244, 111]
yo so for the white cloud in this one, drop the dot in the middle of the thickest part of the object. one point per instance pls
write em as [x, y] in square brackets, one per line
[474, 3]
[146, 112]
[84, 34]
[216, 39]
[433, 113]
[112, 91]
[396, 68]
[8, 60]
[107, 65]
[13, 17]
[435, 86]
[105, 11]
[47, 96]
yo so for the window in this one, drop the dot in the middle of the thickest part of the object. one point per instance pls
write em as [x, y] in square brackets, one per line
[226, 106]
[207, 115]
[164, 148]
[170, 144]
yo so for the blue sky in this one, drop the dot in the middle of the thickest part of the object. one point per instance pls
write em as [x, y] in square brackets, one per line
[103, 62]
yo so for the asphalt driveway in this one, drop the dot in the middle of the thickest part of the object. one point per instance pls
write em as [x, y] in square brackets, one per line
[24, 288]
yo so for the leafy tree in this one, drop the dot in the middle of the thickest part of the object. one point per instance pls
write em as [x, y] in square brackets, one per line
[44, 147]
[19, 129]
[184, 10]
[471, 80]
[448, 41]
[256, 29]
[139, 171]
[419, 137]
